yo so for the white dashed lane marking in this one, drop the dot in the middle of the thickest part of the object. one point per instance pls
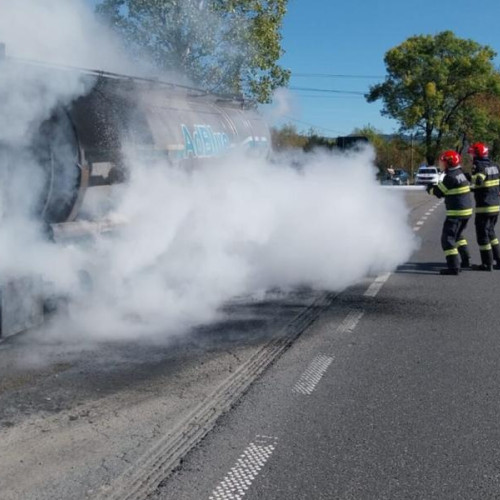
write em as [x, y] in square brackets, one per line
[420, 223]
[375, 287]
[350, 322]
[248, 466]
[314, 373]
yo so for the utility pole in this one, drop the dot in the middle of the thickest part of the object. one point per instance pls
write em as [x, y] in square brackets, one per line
[411, 157]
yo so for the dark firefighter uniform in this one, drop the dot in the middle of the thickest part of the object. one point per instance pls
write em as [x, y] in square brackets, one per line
[485, 185]
[455, 189]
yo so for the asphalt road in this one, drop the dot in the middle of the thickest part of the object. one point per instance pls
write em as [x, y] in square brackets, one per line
[393, 396]
[387, 390]
[75, 416]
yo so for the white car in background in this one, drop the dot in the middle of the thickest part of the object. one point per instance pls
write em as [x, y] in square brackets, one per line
[428, 175]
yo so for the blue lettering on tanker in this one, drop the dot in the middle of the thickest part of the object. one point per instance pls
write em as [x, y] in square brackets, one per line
[189, 149]
[204, 142]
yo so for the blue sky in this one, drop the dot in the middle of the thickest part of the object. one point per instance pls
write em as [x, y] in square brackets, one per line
[350, 37]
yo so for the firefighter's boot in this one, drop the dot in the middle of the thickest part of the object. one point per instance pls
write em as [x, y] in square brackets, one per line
[486, 261]
[463, 250]
[453, 266]
[495, 249]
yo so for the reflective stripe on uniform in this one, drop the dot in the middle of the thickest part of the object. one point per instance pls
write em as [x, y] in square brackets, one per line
[492, 183]
[459, 190]
[452, 251]
[462, 243]
[488, 210]
[443, 188]
[480, 175]
[459, 213]
[488, 184]
[495, 242]
[485, 247]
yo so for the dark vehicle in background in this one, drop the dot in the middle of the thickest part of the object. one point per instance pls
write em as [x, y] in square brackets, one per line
[401, 177]
[396, 177]
[352, 142]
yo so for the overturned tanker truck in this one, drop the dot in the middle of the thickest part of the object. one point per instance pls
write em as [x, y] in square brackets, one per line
[158, 120]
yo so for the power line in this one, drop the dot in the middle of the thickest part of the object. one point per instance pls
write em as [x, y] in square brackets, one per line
[331, 91]
[312, 125]
[329, 96]
[329, 75]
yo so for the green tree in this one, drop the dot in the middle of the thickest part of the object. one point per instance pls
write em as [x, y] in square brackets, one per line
[223, 46]
[430, 82]
[480, 121]
[287, 137]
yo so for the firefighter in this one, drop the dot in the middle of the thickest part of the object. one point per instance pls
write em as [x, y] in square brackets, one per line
[455, 190]
[485, 185]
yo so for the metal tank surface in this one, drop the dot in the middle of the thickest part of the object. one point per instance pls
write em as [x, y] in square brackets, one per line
[151, 121]
[86, 148]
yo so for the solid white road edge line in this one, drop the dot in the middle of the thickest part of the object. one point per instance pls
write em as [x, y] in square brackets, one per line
[247, 468]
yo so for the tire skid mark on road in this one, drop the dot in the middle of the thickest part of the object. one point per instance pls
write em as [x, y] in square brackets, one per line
[143, 477]
[313, 374]
[248, 466]
[240, 477]
[140, 480]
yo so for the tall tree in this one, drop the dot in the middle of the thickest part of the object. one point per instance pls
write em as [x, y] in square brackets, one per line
[480, 121]
[223, 46]
[430, 81]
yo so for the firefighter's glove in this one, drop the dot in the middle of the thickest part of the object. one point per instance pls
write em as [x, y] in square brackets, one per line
[428, 188]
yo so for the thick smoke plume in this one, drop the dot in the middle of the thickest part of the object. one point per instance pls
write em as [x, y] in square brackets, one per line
[194, 240]
[191, 240]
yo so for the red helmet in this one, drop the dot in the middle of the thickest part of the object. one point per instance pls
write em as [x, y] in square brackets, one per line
[450, 158]
[478, 150]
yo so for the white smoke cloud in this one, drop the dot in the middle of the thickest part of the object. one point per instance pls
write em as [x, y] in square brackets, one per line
[193, 239]
[284, 103]
[60, 32]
